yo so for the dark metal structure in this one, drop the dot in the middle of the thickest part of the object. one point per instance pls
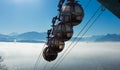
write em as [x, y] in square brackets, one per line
[112, 5]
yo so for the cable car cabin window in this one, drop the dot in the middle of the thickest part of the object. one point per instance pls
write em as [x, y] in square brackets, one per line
[66, 9]
[62, 27]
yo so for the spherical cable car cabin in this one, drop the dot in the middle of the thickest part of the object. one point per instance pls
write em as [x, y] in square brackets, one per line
[49, 55]
[72, 13]
[63, 32]
[55, 44]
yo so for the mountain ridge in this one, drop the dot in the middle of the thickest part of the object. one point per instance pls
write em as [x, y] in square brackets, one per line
[38, 37]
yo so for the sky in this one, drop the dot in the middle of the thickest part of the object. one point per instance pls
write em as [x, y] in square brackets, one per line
[35, 15]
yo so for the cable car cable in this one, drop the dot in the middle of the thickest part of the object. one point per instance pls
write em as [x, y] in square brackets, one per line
[79, 39]
[38, 59]
[79, 33]
[73, 46]
[45, 66]
[90, 26]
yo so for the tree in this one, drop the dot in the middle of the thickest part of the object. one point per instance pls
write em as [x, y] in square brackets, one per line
[2, 66]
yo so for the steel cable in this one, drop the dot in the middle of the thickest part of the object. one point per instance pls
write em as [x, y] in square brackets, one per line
[78, 34]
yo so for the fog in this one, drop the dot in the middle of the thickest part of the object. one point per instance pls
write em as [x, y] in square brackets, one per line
[84, 56]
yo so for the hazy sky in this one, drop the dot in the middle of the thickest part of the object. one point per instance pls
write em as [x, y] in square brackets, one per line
[36, 15]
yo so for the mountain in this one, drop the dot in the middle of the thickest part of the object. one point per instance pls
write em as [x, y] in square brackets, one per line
[37, 37]
[5, 38]
[100, 38]
[32, 36]
[13, 34]
[88, 39]
[24, 37]
[109, 37]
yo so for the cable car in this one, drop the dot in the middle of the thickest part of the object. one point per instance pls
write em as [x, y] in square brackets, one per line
[72, 13]
[63, 32]
[56, 45]
[49, 55]
[69, 15]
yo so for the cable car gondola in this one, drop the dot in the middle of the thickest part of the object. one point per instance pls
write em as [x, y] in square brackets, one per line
[49, 55]
[72, 13]
[56, 45]
[63, 32]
